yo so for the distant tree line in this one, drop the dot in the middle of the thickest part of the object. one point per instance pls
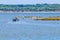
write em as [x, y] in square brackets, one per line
[30, 7]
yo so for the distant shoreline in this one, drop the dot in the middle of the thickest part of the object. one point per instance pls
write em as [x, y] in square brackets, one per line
[30, 12]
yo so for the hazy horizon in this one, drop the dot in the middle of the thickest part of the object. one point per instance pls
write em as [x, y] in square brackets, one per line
[29, 1]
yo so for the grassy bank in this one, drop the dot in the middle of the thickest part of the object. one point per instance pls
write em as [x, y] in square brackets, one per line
[41, 18]
[49, 18]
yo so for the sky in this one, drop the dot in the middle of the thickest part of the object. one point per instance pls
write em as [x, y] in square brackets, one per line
[29, 1]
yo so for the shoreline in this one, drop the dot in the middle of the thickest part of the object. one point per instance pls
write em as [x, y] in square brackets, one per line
[30, 12]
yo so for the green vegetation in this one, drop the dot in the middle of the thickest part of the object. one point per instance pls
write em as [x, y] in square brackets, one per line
[29, 7]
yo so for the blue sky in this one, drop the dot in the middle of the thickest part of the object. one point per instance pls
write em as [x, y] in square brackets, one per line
[29, 1]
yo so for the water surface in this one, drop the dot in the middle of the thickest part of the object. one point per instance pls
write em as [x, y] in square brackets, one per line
[27, 29]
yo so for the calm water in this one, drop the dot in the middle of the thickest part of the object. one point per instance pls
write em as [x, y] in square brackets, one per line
[27, 29]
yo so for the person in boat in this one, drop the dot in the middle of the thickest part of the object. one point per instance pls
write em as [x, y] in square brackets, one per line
[15, 19]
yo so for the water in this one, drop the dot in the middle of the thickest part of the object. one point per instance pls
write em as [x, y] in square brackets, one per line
[27, 29]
